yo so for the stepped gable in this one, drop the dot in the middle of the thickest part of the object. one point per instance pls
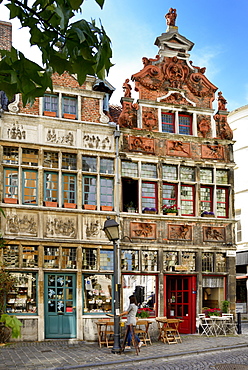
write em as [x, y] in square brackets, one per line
[171, 77]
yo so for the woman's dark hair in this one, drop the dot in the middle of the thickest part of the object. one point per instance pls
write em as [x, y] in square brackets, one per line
[133, 299]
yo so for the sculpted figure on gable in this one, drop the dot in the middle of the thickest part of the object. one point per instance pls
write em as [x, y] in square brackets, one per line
[204, 126]
[223, 130]
[127, 89]
[221, 101]
[171, 17]
[128, 116]
[150, 120]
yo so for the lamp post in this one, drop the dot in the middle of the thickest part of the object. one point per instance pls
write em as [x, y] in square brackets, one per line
[111, 229]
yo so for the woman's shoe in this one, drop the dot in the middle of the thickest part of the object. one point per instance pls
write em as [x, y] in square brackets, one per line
[127, 347]
[140, 344]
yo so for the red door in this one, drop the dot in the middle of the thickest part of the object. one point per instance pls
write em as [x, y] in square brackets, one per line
[180, 300]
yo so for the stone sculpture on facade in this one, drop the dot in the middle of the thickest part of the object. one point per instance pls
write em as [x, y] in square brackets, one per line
[128, 116]
[17, 224]
[221, 101]
[127, 89]
[16, 132]
[171, 17]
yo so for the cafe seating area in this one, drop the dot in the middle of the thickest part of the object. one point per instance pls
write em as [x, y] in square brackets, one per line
[216, 325]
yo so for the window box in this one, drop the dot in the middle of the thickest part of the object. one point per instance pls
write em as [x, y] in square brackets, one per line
[10, 200]
[49, 114]
[151, 212]
[70, 205]
[51, 204]
[69, 116]
[91, 207]
[106, 208]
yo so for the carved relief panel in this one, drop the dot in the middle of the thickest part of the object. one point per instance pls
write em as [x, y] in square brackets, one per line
[96, 141]
[142, 230]
[178, 148]
[213, 234]
[60, 226]
[204, 126]
[213, 151]
[19, 132]
[180, 232]
[150, 119]
[64, 137]
[92, 228]
[141, 144]
[21, 224]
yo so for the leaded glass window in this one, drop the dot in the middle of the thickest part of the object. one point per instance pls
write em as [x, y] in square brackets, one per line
[51, 159]
[69, 161]
[69, 258]
[206, 175]
[129, 260]
[106, 259]
[207, 262]
[187, 173]
[221, 176]
[29, 157]
[89, 164]
[30, 256]
[149, 170]
[11, 255]
[10, 155]
[89, 259]
[170, 260]
[149, 260]
[106, 165]
[51, 257]
[129, 169]
[169, 172]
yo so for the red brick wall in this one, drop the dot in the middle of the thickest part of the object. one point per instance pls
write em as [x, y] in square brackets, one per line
[5, 35]
[90, 110]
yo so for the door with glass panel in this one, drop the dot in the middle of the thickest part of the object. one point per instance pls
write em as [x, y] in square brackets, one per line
[60, 305]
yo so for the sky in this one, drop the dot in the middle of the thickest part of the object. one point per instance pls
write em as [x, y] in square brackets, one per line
[217, 28]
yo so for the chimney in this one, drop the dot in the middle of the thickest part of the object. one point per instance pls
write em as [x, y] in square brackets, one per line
[5, 35]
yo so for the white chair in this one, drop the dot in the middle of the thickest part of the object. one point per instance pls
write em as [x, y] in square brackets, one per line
[230, 324]
[205, 327]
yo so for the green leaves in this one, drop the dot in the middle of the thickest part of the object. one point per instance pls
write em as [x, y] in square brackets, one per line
[77, 47]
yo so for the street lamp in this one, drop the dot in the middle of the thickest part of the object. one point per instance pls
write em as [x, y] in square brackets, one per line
[111, 229]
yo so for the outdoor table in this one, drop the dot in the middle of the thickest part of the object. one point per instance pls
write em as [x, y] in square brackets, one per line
[168, 330]
[215, 325]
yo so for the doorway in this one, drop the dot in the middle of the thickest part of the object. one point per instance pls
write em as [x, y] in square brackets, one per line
[60, 305]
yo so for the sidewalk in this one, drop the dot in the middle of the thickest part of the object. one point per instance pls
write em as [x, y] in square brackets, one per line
[58, 355]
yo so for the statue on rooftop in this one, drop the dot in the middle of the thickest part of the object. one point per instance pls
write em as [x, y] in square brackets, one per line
[171, 17]
[221, 101]
[127, 88]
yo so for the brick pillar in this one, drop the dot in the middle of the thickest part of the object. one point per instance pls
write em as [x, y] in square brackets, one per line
[5, 35]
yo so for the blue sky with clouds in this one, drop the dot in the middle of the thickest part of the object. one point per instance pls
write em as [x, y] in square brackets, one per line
[217, 28]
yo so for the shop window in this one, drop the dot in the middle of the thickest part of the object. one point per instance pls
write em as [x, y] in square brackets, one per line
[206, 198]
[11, 255]
[129, 260]
[106, 165]
[10, 155]
[169, 194]
[51, 257]
[170, 260]
[23, 298]
[97, 293]
[220, 262]
[206, 175]
[69, 258]
[50, 187]
[221, 176]
[51, 159]
[149, 260]
[89, 259]
[51, 105]
[69, 107]
[89, 190]
[187, 200]
[29, 157]
[144, 287]
[188, 261]
[168, 122]
[106, 260]
[29, 256]
[106, 191]
[222, 202]
[185, 124]
[129, 169]
[69, 161]
[187, 173]
[169, 172]
[89, 164]
[10, 184]
[30, 187]
[149, 195]
[130, 195]
[208, 262]
[213, 291]
[149, 170]
[69, 188]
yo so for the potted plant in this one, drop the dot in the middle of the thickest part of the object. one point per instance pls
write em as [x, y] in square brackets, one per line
[225, 306]
[207, 214]
[171, 210]
[130, 207]
[149, 210]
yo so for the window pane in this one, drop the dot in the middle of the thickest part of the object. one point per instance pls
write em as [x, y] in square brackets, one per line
[11, 255]
[187, 200]
[220, 262]
[11, 183]
[23, 299]
[10, 155]
[51, 103]
[206, 199]
[149, 260]
[206, 175]
[69, 258]
[169, 172]
[168, 122]
[185, 126]
[207, 262]
[69, 188]
[30, 187]
[106, 165]
[51, 186]
[30, 157]
[106, 260]
[89, 259]
[51, 159]
[222, 202]
[97, 293]
[30, 256]
[169, 194]
[170, 260]
[107, 191]
[148, 195]
[129, 169]
[129, 260]
[51, 257]
[69, 161]
[69, 105]
[188, 261]
[89, 190]
[187, 173]
[89, 164]
[149, 170]
[221, 177]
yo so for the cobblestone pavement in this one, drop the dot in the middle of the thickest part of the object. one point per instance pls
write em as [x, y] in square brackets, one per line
[192, 353]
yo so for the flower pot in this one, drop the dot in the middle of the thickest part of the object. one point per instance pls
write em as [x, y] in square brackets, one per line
[91, 207]
[206, 215]
[51, 204]
[10, 200]
[69, 116]
[170, 213]
[49, 114]
[106, 208]
[70, 205]
[151, 212]
[131, 210]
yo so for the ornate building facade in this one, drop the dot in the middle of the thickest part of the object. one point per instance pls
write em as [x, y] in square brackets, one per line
[163, 169]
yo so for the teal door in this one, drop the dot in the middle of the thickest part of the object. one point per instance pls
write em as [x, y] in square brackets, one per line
[60, 302]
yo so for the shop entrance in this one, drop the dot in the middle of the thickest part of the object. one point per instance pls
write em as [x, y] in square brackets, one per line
[181, 301]
[60, 302]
